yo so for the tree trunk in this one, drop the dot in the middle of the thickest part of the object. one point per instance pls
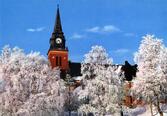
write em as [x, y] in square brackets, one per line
[151, 108]
[159, 110]
[158, 107]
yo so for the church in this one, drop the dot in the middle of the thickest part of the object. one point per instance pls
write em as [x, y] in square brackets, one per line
[58, 52]
[58, 55]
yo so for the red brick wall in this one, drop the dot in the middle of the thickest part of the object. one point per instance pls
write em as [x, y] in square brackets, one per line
[52, 55]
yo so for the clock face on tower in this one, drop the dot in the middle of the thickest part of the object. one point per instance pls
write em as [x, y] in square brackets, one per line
[58, 40]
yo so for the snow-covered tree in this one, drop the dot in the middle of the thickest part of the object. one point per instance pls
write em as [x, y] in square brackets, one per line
[150, 79]
[163, 72]
[103, 93]
[28, 86]
[101, 84]
[96, 56]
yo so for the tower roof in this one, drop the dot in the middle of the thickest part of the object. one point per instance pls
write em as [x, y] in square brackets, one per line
[57, 33]
[58, 26]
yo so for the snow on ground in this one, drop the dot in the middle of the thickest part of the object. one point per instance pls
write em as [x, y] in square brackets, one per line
[139, 111]
[135, 112]
[145, 111]
[164, 108]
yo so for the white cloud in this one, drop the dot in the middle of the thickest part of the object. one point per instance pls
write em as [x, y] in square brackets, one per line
[110, 28]
[94, 29]
[77, 36]
[121, 51]
[35, 29]
[104, 29]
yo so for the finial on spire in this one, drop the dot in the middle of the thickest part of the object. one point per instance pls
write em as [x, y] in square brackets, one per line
[57, 5]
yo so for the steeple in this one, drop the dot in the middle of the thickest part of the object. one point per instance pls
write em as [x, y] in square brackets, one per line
[58, 52]
[58, 27]
[57, 40]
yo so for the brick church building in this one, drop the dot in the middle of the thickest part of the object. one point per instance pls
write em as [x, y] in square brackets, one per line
[58, 51]
[58, 57]
[58, 54]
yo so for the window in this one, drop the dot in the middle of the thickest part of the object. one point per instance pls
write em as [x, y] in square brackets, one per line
[60, 61]
[57, 62]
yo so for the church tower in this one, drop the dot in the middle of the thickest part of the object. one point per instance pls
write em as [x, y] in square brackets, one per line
[58, 52]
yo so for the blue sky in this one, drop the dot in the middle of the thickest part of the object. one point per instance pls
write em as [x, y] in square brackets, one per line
[117, 25]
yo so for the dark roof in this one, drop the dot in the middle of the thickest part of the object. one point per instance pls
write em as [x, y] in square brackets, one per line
[75, 69]
[129, 70]
[58, 26]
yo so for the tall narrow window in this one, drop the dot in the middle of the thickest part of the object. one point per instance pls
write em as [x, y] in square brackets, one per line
[57, 61]
[60, 60]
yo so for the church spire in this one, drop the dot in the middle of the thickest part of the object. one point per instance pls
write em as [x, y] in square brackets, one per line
[57, 40]
[58, 26]
[58, 52]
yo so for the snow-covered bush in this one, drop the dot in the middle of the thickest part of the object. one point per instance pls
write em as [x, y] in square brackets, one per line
[28, 85]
